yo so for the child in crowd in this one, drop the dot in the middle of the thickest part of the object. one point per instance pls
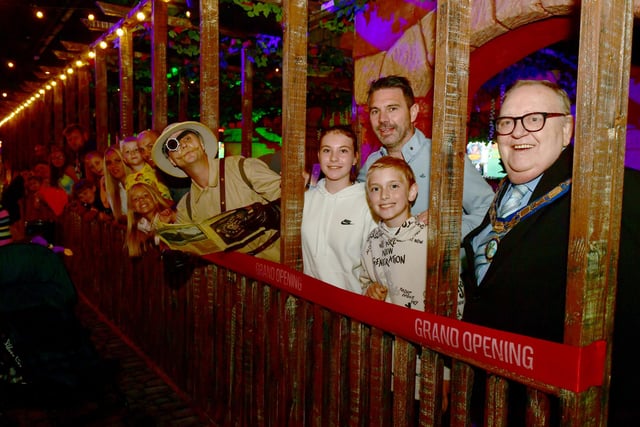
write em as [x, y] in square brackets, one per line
[113, 183]
[399, 244]
[140, 170]
[63, 173]
[5, 227]
[95, 170]
[42, 203]
[94, 165]
[87, 203]
[394, 258]
[336, 218]
[147, 208]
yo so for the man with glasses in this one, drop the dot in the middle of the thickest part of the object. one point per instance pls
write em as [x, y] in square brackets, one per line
[177, 186]
[516, 266]
[188, 149]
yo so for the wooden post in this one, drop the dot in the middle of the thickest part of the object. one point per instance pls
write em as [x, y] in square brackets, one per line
[70, 97]
[247, 102]
[101, 100]
[183, 97]
[126, 83]
[49, 136]
[210, 65]
[84, 101]
[448, 150]
[58, 112]
[294, 107]
[594, 235]
[159, 64]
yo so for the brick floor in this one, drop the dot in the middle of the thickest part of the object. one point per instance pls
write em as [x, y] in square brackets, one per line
[138, 398]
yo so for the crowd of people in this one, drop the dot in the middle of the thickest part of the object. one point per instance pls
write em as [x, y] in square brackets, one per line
[358, 222]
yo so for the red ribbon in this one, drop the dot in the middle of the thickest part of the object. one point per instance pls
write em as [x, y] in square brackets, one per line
[569, 367]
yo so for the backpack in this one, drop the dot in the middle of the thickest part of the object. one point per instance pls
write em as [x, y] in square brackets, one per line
[45, 351]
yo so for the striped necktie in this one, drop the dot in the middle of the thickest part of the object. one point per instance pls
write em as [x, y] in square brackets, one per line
[488, 247]
[513, 202]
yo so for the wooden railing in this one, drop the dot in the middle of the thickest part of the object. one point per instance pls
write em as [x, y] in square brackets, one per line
[253, 343]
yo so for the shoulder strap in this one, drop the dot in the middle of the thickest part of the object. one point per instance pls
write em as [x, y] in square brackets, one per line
[188, 205]
[244, 175]
[223, 202]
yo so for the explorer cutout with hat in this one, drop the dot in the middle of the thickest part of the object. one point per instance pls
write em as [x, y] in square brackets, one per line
[188, 149]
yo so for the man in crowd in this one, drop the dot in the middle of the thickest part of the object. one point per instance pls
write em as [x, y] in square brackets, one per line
[188, 149]
[516, 273]
[393, 112]
[77, 144]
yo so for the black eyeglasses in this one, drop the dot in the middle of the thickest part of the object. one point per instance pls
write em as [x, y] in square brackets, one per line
[532, 122]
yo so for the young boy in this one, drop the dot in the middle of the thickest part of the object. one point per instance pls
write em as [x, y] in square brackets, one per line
[142, 171]
[394, 259]
[396, 249]
[87, 203]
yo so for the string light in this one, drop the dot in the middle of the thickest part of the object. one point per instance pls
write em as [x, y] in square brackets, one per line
[103, 44]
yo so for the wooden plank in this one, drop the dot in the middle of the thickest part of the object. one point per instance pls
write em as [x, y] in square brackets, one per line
[448, 149]
[358, 398]
[294, 117]
[600, 135]
[404, 374]
[431, 388]
[210, 64]
[71, 98]
[58, 112]
[84, 98]
[380, 410]
[159, 65]
[246, 90]
[320, 373]
[101, 100]
[126, 83]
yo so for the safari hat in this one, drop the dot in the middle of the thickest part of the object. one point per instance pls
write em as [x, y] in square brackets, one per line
[172, 131]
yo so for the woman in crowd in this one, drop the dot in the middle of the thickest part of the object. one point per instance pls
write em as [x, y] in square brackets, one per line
[146, 208]
[336, 219]
[63, 173]
[115, 173]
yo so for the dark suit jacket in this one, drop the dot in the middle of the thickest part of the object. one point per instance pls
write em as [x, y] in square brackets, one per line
[524, 288]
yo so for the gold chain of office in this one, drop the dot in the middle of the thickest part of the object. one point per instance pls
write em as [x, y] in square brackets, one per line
[503, 225]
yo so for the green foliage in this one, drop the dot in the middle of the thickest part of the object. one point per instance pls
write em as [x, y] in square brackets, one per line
[342, 20]
[258, 8]
[265, 52]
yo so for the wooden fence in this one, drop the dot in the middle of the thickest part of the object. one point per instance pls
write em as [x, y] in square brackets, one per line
[253, 343]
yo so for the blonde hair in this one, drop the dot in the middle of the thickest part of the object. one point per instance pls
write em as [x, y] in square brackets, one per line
[400, 165]
[138, 241]
[112, 185]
